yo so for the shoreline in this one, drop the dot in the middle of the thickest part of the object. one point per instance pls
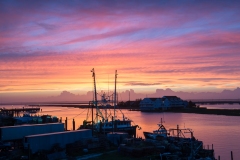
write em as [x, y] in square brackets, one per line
[226, 112]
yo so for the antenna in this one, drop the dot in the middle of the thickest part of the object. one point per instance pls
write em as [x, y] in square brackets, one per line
[129, 99]
[108, 86]
[163, 116]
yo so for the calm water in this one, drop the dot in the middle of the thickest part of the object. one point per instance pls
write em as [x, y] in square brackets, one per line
[221, 131]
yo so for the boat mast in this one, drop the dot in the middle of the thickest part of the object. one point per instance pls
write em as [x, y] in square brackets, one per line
[115, 92]
[95, 92]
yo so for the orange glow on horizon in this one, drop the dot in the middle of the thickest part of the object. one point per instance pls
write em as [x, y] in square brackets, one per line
[171, 46]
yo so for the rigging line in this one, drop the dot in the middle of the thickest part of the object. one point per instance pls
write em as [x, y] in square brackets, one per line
[93, 92]
[76, 115]
[125, 113]
[87, 114]
[119, 91]
[128, 118]
[98, 86]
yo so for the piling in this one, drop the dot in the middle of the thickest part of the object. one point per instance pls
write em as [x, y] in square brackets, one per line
[115, 125]
[73, 124]
[218, 157]
[66, 124]
[100, 128]
[134, 132]
[112, 124]
[92, 119]
[29, 152]
[178, 131]
[231, 155]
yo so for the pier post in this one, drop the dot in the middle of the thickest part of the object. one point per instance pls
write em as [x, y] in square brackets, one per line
[115, 125]
[178, 131]
[66, 124]
[92, 119]
[212, 146]
[218, 157]
[73, 124]
[112, 124]
[231, 155]
[29, 152]
[134, 132]
[100, 127]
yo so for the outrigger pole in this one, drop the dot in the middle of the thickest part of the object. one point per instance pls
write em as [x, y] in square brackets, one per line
[115, 93]
[95, 93]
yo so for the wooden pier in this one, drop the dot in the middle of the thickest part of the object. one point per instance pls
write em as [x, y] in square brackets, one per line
[15, 112]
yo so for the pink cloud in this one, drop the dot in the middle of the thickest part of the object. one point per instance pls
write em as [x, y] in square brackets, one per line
[55, 47]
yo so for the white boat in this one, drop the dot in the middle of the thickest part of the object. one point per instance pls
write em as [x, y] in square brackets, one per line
[26, 118]
[160, 133]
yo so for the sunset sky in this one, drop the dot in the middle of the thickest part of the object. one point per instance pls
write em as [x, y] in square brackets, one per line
[50, 46]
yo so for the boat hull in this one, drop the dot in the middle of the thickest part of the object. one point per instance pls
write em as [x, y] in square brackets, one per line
[149, 135]
[131, 130]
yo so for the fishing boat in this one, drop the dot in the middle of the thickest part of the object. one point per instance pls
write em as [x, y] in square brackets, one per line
[177, 140]
[160, 133]
[174, 143]
[26, 118]
[104, 121]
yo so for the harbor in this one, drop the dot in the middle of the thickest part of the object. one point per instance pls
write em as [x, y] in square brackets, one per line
[113, 140]
[119, 80]
[221, 131]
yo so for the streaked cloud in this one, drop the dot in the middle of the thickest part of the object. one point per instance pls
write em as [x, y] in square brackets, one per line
[141, 84]
[178, 44]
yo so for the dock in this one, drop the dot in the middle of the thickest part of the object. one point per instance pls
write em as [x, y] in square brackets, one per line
[15, 112]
